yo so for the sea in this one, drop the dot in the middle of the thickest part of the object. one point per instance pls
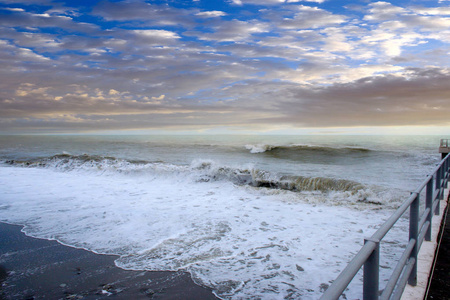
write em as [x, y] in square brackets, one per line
[251, 217]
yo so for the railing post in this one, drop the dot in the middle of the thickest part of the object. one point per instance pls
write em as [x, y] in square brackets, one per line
[445, 173]
[429, 204]
[442, 169]
[372, 273]
[414, 235]
[438, 188]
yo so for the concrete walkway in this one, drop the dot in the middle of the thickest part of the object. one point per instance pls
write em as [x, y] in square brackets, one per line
[439, 287]
[426, 259]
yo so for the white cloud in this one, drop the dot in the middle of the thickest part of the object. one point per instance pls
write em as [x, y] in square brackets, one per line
[310, 17]
[323, 74]
[336, 40]
[432, 10]
[160, 34]
[235, 30]
[363, 71]
[44, 15]
[382, 11]
[424, 18]
[20, 54]
[271, 2]
[211, 14]
[13, 9]
[427, 22]
[31, 39]
[149, 38]
[161, 97]
[392, 25]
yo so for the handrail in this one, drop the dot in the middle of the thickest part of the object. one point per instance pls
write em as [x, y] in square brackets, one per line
[419, 229]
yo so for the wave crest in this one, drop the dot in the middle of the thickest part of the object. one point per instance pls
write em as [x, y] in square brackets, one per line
[198, 171]
[302, 183]
[262, 148]
[259, 148]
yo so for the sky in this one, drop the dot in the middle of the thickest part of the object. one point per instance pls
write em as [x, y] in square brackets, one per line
[225, 66]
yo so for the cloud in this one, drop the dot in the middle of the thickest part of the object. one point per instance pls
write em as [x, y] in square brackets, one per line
[31, 39]
[142, 13]
[314, 1]
[158, 34]
[233, 30]
[383, 11]
[28, 2]
[372, 101]
[443, 11]
[155, 37]
[141, 65]
[13, 9]
[10, 53]
[423, 18]
[271, 2]
[161, 97]
[22, 18]
[336, 40]
[211, 14]
[309, 17]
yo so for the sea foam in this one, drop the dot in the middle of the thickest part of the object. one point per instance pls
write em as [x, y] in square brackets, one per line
[242, 241]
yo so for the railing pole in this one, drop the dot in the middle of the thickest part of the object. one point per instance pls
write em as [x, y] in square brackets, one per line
[429, 204]
[446, 173]
[442, 183]
[414, 235]
[438, 188]
[372, 273]
[443, 176]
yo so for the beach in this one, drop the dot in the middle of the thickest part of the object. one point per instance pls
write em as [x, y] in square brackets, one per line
[32, 268]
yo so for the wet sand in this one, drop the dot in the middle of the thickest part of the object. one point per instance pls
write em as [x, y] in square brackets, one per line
[33, 268]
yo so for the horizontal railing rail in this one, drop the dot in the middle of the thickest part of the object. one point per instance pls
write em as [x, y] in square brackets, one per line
[405, 272]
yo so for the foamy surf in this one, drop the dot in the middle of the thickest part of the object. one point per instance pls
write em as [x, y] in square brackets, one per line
[209, 170]
[240, 241]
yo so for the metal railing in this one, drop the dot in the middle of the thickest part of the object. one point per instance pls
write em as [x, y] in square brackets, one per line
[406, 268]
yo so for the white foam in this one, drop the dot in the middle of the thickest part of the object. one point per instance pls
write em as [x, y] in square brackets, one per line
[241, 241]
[259, 148]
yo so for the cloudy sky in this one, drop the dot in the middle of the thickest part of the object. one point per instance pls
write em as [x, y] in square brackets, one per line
[277, 66]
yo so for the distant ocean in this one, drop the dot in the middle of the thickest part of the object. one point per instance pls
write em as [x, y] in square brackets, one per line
[252, 217]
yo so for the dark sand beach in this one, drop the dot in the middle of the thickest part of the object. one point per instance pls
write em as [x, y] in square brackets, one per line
[33, 268]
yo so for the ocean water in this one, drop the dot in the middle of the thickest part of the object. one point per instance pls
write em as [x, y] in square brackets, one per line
[252, 217]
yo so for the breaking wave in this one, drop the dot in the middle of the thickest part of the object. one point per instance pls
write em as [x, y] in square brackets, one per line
[198, 171]
[262, 148]
[302, 183]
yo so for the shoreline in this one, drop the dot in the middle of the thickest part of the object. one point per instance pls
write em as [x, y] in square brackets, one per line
[33, 268]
